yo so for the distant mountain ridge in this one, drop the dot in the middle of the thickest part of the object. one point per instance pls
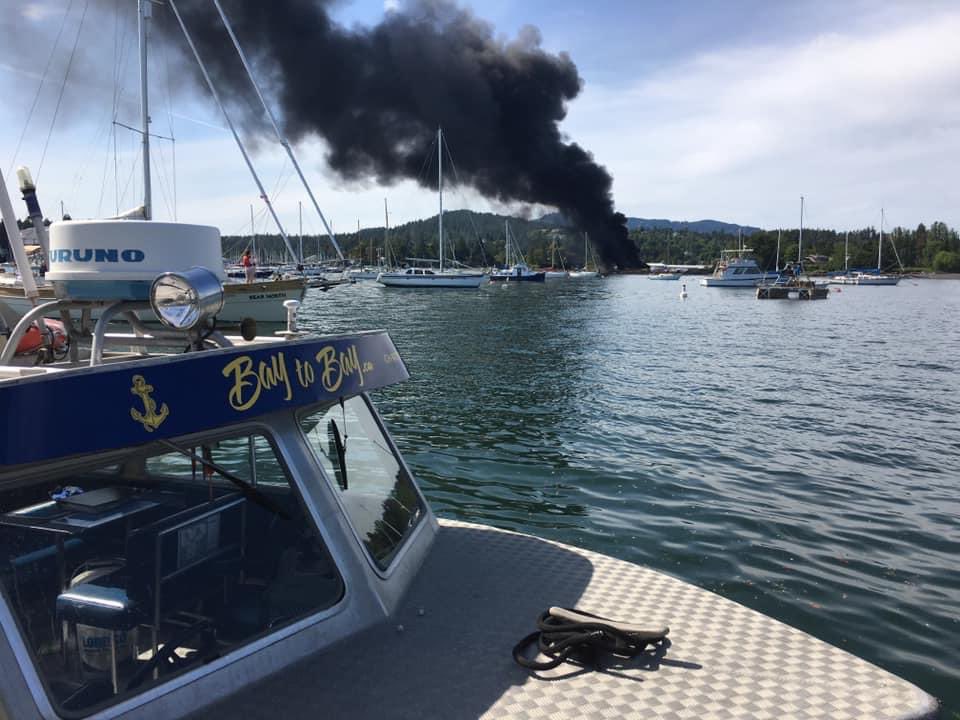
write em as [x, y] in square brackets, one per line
[634, 223]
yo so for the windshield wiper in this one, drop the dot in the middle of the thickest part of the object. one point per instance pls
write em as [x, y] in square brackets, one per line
[334, 432]
[245, 488]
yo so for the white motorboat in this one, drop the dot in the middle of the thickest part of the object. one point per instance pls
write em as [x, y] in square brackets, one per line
[737, 269]
[664, 276]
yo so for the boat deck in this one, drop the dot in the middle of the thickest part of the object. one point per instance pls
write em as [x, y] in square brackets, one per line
[447, 651]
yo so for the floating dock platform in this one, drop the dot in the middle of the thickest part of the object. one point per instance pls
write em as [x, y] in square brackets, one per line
[793, 292]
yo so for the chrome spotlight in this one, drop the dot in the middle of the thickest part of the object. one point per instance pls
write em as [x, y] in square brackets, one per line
[183, 300]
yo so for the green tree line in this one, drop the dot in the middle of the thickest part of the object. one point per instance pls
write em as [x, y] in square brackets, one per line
[935, 248]
[477, 239]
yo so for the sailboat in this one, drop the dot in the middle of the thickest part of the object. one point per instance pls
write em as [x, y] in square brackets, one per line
[551, 273]
[586, 273]
[372, 271]
[426, 277]
[867, 278]
[517, 269]
[791, 283]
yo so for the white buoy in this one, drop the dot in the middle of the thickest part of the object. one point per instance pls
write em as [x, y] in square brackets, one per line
[683, 292]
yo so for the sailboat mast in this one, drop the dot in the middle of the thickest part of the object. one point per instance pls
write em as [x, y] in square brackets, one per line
[386, 233]
[440, 188]
[144, 13]
[800, 243]
[846, 254]
[506, 243]
[300, 213]
[880, 243]
[253, 235]
[778, 251]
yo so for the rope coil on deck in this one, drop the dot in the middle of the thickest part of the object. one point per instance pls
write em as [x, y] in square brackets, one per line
[565, 635]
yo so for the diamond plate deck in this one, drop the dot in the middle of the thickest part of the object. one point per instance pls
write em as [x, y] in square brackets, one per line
[446, 654]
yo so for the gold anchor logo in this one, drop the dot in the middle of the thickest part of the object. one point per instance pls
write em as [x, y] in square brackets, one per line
[150, 420]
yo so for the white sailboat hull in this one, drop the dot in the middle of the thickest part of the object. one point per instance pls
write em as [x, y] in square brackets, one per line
[865, 279]
[436, 280]
[584, 274]
[743, 281]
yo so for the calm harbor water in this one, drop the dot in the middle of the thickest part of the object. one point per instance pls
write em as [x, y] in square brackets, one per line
[800, 458]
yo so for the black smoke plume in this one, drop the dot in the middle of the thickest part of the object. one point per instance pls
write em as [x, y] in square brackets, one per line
[377, 95]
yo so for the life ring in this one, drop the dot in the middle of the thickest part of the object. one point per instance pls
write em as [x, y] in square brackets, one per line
[32, 340]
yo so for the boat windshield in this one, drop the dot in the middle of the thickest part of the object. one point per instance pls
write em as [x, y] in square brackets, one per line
[122, 575]
[373, 486]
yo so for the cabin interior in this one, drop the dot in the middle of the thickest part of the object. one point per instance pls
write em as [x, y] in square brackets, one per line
[125, 570]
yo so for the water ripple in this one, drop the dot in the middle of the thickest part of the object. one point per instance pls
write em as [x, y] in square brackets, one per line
[800, 458]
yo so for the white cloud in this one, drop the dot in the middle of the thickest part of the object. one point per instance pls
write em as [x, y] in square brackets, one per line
[851, 120]
[390, 6]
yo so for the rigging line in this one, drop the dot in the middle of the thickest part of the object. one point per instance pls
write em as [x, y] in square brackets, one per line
[166, 72]
[473, 223]
[63, 87]
[111, 138]
[427, 158]
[102, 134]
[43, 78]
[131, 178]
[154, 151]
[119, 54]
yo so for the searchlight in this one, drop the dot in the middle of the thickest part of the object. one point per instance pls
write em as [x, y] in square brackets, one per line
[183, 300]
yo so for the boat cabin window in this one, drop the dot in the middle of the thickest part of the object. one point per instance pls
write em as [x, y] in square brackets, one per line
[375, 490]
[123, 575]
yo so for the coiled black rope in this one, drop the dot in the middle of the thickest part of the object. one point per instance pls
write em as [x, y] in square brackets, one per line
[565, 634]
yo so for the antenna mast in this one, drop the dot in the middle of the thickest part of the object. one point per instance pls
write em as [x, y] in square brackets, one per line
[440, 188]
[144, 13]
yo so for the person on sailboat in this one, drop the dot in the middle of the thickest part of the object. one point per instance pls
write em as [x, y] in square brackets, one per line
[249, 266]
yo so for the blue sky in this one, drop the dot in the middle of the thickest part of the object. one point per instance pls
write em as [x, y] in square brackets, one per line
[728, 110]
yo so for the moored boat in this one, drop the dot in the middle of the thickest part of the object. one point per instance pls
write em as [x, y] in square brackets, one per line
[261, 300]
[517, 269]
[736, 268]
[426, 277]
[866, 277]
